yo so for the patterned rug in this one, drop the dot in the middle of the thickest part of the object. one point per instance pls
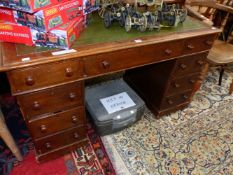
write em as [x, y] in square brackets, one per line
[197, 140]
[89, 160]
[18, 130]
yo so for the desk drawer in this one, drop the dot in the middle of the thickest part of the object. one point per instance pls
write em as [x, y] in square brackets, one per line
[44, 75]
[159, 52]
[197, 44]
[51, 100]
[181, 84]
[190, 64]
[134, 57]
[178, 99]
[61, 139]
[57, 122]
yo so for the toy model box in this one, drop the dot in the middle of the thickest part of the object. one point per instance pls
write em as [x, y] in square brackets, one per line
[61, 37]
[30, 6]
[90, 6]
[47, 19]
[7, 15]
[11, 32]
[113, 105]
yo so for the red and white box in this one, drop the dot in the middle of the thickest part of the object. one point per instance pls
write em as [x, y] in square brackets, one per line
[7, 15]
[30, 6]
[47, 19]
[11, 32]
[61, 37]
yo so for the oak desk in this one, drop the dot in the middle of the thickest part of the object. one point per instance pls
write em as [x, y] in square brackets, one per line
[162, 67]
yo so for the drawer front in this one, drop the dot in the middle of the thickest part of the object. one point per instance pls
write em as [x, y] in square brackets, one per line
[57, 122]
[198, 44]
[44, 75]
[51, 100]
[134, 57]
[190, 64]
[182, 84]
[178, 99]
[50, 143]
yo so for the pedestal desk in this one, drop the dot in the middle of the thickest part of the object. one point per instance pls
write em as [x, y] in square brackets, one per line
[161, 66]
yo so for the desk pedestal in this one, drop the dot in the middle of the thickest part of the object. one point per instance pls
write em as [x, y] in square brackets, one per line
[167, 86]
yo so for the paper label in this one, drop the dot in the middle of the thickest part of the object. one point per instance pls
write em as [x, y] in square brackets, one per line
[64, 52]
[117, 102]
[26, 59]
[138, 41]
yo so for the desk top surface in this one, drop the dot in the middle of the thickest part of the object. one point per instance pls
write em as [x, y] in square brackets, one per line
[97, 39]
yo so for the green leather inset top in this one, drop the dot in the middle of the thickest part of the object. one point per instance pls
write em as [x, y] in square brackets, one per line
[97, 33]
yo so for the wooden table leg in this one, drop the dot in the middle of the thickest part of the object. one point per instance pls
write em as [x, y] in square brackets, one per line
[231, 87]
[8, 139]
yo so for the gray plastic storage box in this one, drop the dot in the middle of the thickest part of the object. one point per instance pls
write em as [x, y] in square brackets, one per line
[113, 105]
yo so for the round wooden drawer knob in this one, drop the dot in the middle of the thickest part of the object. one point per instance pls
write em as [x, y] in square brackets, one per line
[76, 135]
[36, 105]
[170, 102]
[183, 66]
[72, 96]
[168, 52]
[176, 85]
[200, 62]
[43, 128]
[192, 81]
[74, 119]
[209, 43]
[69, 72]
[106, 64]
[48, 145]
[190, 46]
[29, 81]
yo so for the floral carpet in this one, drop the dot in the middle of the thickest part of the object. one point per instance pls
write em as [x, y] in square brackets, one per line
[195, 141]
[91, 159]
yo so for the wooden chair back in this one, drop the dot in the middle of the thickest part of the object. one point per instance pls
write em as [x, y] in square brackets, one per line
[212, 12]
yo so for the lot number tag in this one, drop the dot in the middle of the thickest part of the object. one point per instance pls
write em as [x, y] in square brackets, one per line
[117, 102]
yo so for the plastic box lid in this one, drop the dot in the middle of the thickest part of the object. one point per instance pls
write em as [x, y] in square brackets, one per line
[116, 91]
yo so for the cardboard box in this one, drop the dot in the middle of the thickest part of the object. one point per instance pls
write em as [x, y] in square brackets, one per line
[90, 6]
[61, 37]
[7, 15]
[10, 32]
[30, 6]
[47, 19]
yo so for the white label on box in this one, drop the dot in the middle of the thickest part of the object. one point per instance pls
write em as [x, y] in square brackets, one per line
[64, 52]
[117, 102]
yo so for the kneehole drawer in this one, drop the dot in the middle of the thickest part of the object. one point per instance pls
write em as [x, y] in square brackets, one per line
[198, 44]
[57, 122]
[190, 64]
[178, 99]
[133, 57]
[51, 100]
[182, 84]
[50, 143]
[44, 75]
